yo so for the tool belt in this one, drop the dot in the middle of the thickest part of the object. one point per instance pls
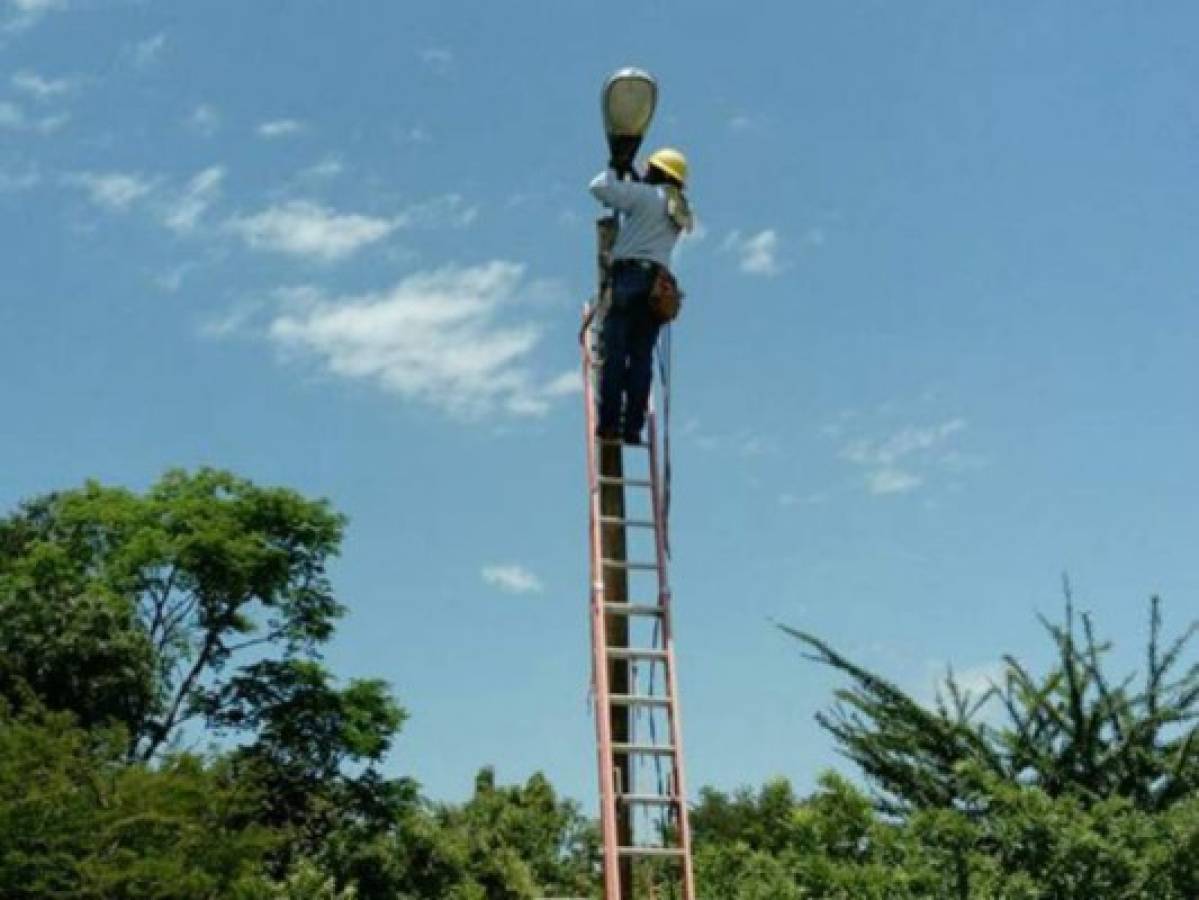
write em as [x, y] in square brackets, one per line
[665, 295]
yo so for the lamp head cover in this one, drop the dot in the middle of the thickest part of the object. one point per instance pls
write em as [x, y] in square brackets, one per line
[629, 99]
[628, 102]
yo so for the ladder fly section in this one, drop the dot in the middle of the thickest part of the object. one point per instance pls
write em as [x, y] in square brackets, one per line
[643, 808]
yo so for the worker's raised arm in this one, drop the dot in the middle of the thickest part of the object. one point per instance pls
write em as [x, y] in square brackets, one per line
[611, 191]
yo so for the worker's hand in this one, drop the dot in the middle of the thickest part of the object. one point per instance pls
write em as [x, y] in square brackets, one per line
[623, 168]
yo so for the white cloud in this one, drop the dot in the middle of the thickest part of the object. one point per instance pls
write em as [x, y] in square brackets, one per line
[115, 191]
[442, 338]
[280, 128]
[10, 182]
[449, 210]
[329, 167]
[892, 481]
[569, 382]
[172, 279]
[236, 321]
[740, 122]
[757, 253]
[902, 443]
[184, 212]
[37, 6]
[415, 135]
[11, 116]
[41, 88]
[439, 59]
[51, 124]
[512, 578]
[812, 498]
[890, 461]
[205, 120]
[301, 228]
[25, 13]
[145, 53]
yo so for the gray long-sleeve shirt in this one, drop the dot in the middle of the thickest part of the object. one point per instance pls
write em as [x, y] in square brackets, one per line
[646, 229]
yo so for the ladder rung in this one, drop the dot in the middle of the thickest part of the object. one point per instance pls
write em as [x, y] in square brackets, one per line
[630, 482]
[644, 749]
[647, 799]
[651, 851]
[637, 700]
[636, 653]
[633, 609]
[625, 564]
[628, 523]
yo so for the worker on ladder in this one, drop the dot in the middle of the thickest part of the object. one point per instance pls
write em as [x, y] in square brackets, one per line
[643, 293]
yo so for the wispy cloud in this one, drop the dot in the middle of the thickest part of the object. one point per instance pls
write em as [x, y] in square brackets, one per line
[329, 167]
[171, 280]
[448, 210]
[443, 338]
[22, 14]
[39, 87]
[757, 254]
[145, 53]
[280, 128]
[892, 462]
[184, 212]
[904, 442]
[11, 182]
[305, 229]
[11, 116]
[743, 442]
[114, 191]
[204, 120]
[512, 578]
[413, 135]
[238, 321]
[439, 59]
[892, 481]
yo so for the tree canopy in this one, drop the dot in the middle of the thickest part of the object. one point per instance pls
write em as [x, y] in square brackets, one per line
[136, 627]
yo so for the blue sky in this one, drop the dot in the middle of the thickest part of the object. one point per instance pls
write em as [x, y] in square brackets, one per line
[940, 343]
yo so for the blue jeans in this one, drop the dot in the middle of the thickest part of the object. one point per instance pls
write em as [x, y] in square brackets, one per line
[629, 334]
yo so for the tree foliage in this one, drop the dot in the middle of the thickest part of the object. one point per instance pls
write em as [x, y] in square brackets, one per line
[1074, 731]
[78, 820]
[164, 595]
[131, 622]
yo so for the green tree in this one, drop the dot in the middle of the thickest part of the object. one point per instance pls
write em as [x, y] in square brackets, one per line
[518, 842]
[1074, 731]
[203, 601]
[77, 820]
[184, 582]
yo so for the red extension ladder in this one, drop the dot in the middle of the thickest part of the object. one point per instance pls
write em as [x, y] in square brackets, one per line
[643, 801]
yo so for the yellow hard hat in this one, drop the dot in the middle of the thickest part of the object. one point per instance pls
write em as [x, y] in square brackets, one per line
[670, 161]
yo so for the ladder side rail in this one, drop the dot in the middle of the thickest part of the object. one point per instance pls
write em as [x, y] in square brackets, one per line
[672, 685]
[599, 661]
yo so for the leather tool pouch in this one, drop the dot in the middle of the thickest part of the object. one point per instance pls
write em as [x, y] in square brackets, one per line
[665, 297]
